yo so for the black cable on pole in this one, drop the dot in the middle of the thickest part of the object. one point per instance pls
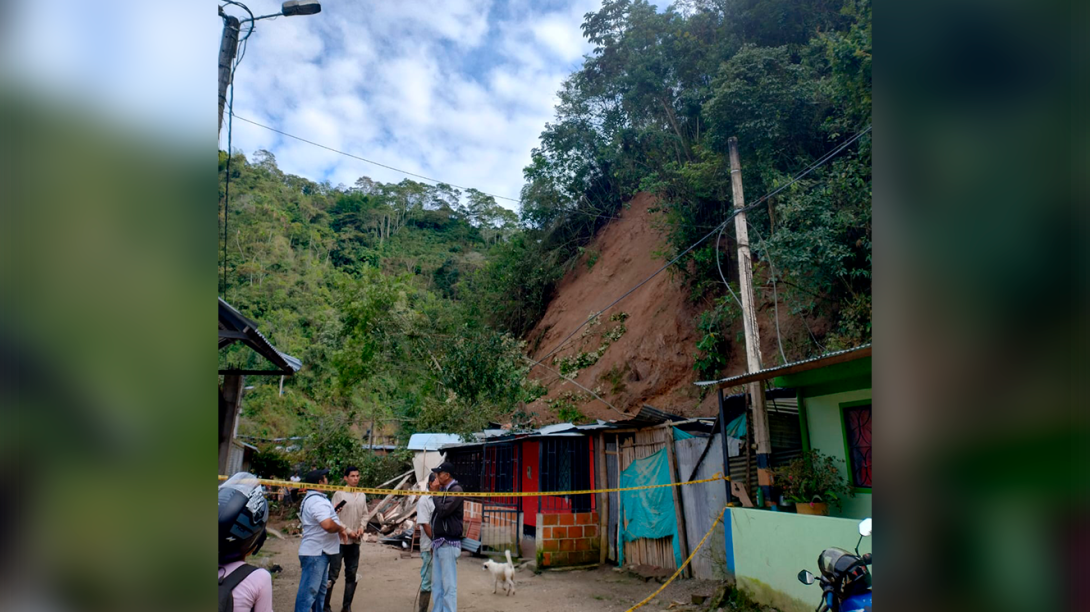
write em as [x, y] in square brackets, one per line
[825, 158]
[227, 188]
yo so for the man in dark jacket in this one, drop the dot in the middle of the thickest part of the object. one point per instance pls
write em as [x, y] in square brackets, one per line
[446, 545]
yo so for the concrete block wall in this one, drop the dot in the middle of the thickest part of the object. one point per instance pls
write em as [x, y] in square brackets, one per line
[568, 539]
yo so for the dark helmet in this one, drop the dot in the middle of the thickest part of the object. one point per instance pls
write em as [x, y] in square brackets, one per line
[832, 561]
[243, 515]
[842, 569]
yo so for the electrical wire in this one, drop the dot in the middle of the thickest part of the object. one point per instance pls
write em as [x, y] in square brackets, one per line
[720, 268]
[227, 187]
[363, 159]
[775, 294]
[825, 158]
[573, 381]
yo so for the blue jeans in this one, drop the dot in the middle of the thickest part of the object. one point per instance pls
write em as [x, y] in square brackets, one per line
[312, 583]
[425, 571]
[445, 590]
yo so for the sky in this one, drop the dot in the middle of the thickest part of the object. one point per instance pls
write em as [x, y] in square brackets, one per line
[456, 90]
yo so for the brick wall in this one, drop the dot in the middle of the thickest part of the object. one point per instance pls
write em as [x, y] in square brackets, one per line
[568, 539]
[471, 520]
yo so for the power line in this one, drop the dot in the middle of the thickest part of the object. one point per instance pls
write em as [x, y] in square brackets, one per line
[720, 267]
[363, 159]
[573, 381]
[825, 158]
[775, 292]
[227, 182]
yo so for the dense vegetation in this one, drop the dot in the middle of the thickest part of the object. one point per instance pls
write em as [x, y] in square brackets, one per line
[652, 109]
[407, 303]
[363, 285]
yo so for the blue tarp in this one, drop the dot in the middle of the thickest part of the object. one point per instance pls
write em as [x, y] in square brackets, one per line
[648, 513]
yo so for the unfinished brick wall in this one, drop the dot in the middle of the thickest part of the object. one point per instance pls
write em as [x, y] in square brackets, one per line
[568, 539]
[471, 520]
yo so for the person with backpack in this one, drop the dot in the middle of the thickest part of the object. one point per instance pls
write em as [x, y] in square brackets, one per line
[322, 531]
[243, 514]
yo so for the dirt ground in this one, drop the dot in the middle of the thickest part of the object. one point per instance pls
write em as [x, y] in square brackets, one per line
[652, 362]
[390, 582]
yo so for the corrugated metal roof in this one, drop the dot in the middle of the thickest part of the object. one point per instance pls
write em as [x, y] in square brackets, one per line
[556, 428]
[648, 416]
[432, 441]
[234, 327]
[799, 366]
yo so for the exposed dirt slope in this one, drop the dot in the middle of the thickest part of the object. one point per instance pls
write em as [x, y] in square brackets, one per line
[652, 362]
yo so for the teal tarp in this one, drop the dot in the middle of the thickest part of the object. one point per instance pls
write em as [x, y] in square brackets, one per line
[737, 428]
[681, 435]
[648, 513]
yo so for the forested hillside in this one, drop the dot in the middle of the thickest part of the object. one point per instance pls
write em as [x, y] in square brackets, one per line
[411, 304]
[367, 285]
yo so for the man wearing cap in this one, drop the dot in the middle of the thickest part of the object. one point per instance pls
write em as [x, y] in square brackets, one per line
[446, 545]
[321, 539]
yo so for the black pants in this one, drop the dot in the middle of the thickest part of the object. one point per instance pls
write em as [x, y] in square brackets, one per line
[350, 555]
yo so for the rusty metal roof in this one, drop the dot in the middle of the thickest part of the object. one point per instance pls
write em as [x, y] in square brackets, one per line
[814, 363]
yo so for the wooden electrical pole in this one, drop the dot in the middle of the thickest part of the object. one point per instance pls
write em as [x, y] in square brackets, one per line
[228, 48]
[749, 320]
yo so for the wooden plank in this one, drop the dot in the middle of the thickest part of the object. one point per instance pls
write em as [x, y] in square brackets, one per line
[603, 498]
[678, 510]
[382, 503]
[393, 479]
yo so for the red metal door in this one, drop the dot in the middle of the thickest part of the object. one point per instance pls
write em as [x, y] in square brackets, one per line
[529, 469]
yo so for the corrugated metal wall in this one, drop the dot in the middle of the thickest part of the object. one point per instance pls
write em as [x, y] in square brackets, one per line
[703, 502]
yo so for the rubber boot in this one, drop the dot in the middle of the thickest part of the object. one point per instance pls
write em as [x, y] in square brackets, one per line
[425, 601]
[349, 594]
[328, 596]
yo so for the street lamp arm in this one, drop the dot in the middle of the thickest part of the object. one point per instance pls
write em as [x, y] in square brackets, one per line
[264, 17]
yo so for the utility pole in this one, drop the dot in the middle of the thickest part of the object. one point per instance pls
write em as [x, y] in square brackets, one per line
[228, 48]
[749, 320]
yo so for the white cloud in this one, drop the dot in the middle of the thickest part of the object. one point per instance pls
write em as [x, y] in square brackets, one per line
[457, 90]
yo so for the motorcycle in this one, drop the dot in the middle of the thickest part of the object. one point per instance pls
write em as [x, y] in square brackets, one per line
[845, 580]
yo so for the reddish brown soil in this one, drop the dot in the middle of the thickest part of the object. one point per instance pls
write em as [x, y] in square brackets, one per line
[652, 363]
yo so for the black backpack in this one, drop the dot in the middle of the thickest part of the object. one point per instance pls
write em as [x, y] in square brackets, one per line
[228, 584]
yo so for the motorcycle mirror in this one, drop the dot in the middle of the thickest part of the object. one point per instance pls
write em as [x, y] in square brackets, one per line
[806, 577]
[865, 528]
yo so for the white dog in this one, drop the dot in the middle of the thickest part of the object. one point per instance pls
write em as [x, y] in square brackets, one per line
[502, 572]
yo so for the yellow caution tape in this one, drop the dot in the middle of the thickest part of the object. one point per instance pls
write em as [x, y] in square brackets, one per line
[683, 565]
[718, 477]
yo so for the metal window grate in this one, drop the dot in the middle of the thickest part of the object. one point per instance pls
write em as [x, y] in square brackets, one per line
[565, 466]
[857, 425]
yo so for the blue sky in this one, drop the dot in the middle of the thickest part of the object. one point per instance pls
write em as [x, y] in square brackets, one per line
[458, 90]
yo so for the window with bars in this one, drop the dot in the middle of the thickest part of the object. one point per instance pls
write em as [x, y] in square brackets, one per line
[565, 466]
[857, 429]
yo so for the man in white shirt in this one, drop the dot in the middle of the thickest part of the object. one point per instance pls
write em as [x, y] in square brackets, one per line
[425, 509]
[352, 510]
[321, 539]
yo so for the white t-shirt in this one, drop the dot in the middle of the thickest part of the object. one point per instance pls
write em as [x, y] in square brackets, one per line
[425, 508]
[314, 509]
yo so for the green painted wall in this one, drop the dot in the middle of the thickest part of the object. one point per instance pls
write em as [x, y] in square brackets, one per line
[771, 547]
[826, 434]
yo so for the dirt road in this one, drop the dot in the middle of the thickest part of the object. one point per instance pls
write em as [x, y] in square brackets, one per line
[390, 583]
